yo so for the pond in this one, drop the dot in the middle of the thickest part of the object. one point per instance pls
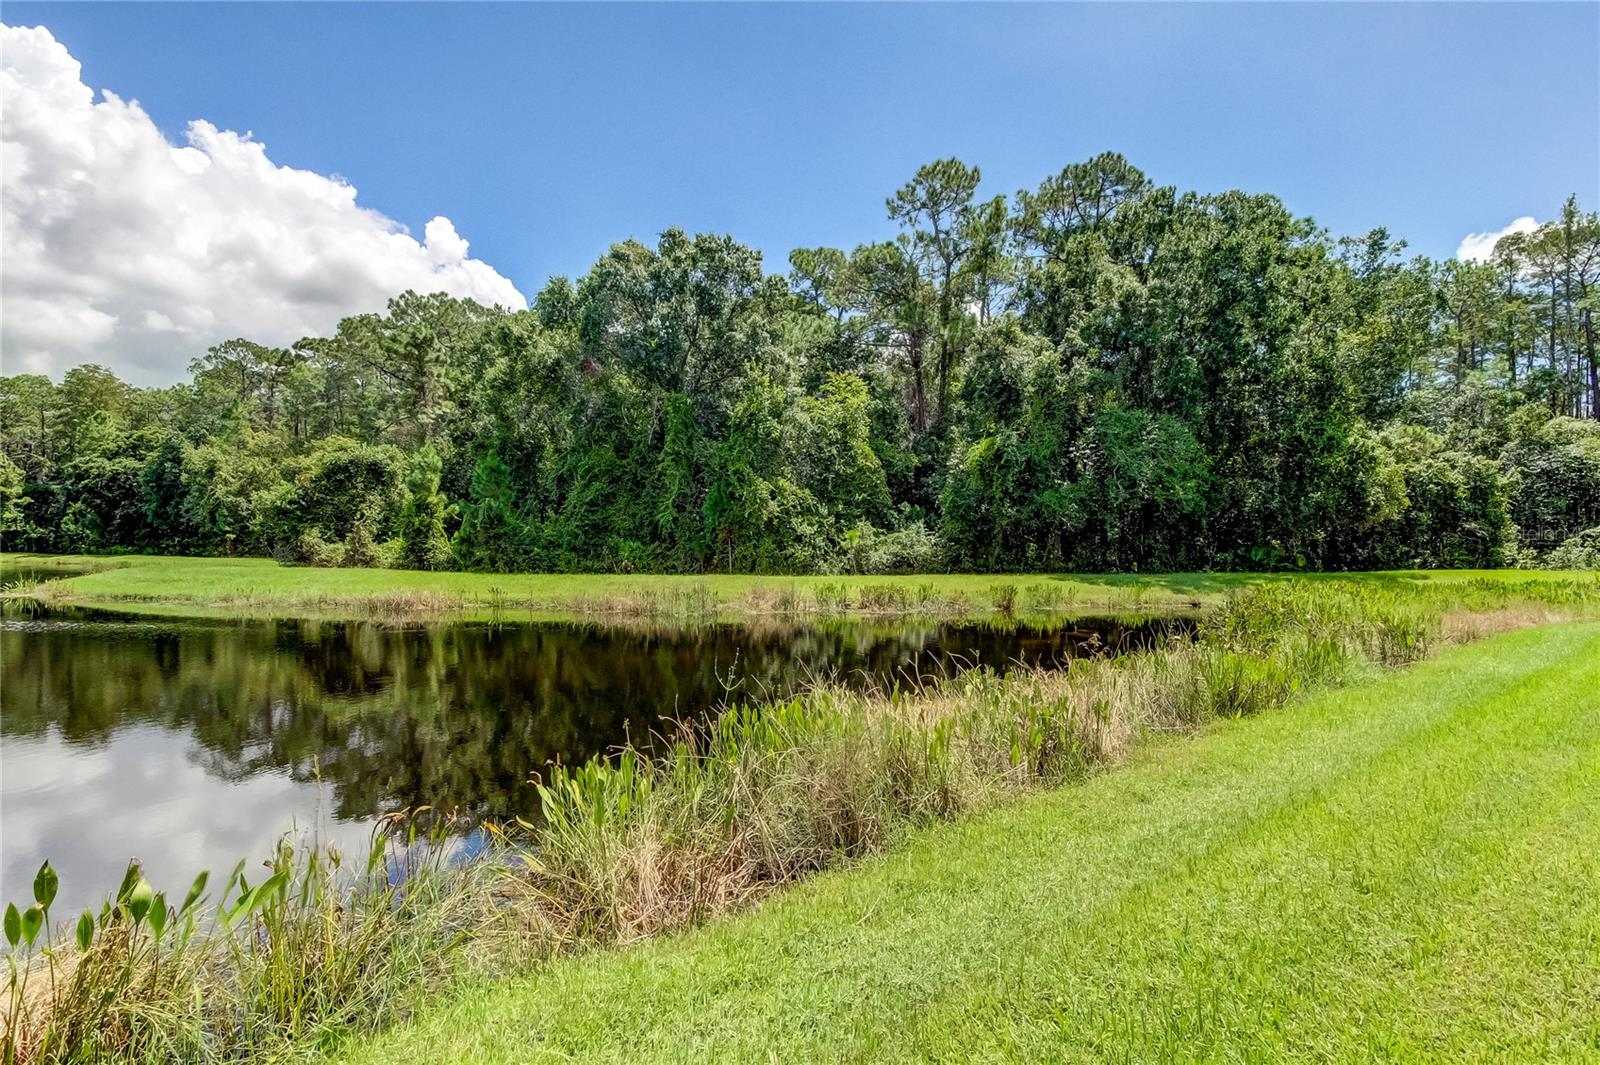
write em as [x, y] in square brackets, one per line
[193, 743]
[13, 572]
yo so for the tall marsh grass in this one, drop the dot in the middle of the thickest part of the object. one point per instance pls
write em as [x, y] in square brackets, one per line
[634, 846]
[287, 957]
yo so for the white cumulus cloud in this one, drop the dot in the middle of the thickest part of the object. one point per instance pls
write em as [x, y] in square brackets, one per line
[124, 249]
[1478, 247]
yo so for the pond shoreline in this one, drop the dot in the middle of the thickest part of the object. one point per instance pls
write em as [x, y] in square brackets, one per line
[191, 742]
[232, 587]
[252, 586]
[631, 847]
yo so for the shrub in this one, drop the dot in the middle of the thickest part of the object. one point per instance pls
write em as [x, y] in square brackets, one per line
[1581, 551]
[911, 549]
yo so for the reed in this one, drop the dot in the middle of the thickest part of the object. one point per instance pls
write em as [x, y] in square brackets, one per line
[312, 949]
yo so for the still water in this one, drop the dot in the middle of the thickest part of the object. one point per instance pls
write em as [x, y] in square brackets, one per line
[193, 743]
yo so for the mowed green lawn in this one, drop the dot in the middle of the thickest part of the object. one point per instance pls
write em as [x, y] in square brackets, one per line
[261, 581]
[1403, 870]
[170, 584]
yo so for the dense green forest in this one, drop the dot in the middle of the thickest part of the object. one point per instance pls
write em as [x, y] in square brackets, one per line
[1098, 374]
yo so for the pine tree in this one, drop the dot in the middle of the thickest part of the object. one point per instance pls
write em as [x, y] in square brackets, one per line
[491, 535]
[423, 541]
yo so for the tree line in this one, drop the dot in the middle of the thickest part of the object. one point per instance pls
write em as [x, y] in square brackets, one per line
[1101, 373]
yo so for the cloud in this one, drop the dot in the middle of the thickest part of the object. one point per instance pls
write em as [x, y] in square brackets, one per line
[1478, 247]
[146, 793]
[124, 249]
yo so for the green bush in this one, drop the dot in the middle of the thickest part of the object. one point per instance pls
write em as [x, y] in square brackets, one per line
[1581, 551]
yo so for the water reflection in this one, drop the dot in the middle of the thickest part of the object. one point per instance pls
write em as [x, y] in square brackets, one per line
[193, 743]
[30, 572]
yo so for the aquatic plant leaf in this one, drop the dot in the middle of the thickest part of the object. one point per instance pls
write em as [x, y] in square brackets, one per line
[139, 900]
[277, 883]
[45, 884]
[235, 877]
[129, 880]
[13, 923]
[195, 889]
[85, 934]
[32, 921]
[158, 914]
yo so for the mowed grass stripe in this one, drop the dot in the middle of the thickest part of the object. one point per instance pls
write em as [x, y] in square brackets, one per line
[1311, 935]
[1403, 870]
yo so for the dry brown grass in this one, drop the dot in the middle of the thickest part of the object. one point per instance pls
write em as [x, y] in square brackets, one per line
[1465, 626]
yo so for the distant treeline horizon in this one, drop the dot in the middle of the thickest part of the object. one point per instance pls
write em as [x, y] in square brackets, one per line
[1100, 374]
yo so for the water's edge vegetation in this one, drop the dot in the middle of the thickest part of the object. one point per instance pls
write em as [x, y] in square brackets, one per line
[180, 585]
[1402, 869]
[176, 585]
[630, 847]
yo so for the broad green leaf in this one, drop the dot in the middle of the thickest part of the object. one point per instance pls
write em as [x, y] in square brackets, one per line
[45, 884]
[139, 900]
[32, 921]
[195, 889]
[129, 879]
[158, 915]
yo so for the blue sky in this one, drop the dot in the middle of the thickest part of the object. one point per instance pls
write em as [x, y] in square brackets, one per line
[546, 132]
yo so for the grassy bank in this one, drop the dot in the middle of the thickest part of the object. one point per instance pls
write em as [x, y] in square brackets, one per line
[765, 796]
[1404, 870]
[262, 585]
[253, 585]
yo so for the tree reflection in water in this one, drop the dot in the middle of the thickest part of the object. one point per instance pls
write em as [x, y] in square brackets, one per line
[381, 717]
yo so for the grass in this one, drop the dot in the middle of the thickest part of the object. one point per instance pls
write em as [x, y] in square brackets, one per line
[223, 584]
[287, 955]
[636, 849]
[178, 585]
[1405, 870]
